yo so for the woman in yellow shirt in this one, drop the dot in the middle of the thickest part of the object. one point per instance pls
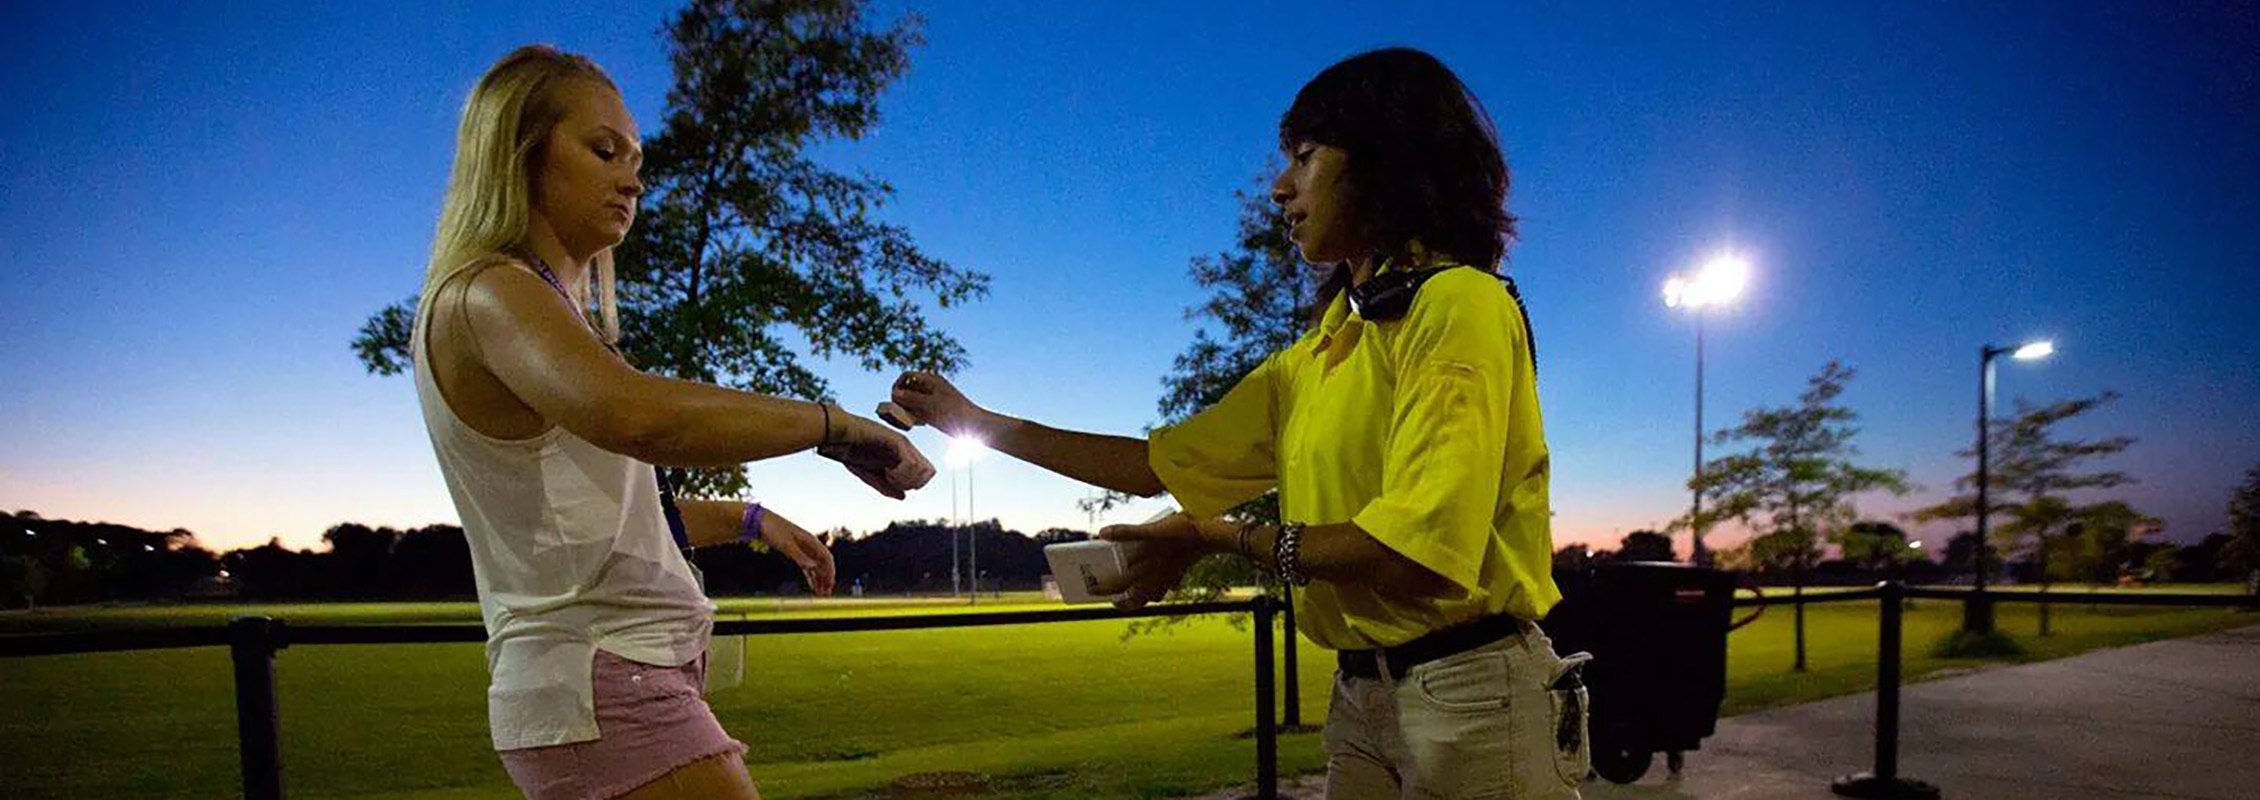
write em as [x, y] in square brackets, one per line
[1404, 437]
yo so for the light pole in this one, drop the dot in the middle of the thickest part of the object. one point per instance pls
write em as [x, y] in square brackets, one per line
[1977, 615]
[955, 518]
[964, 450]
[1719, 281]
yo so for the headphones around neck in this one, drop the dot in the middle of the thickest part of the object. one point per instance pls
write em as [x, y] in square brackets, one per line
[1387, 297]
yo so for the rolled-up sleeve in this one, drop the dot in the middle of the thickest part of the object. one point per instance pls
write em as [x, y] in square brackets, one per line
[1456, 353]
[1228, 453]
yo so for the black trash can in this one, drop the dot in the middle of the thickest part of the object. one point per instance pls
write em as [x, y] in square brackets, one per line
[1657, 632]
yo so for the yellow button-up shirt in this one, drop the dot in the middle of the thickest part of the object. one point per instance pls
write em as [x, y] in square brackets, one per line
[1424, 431]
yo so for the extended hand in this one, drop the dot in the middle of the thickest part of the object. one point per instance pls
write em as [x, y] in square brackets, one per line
[813, 558]
[1160, 553]
[881, 458]
[931, 399]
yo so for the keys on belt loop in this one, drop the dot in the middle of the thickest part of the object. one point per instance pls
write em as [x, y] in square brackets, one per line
[1570, 674]
[1569, 679]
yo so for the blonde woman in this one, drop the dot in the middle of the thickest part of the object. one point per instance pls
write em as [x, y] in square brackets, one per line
[597, 627]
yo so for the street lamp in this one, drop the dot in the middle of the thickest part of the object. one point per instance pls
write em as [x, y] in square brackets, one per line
[964, 450]
[1719, 281]
[1977, 615]
[1914, 551]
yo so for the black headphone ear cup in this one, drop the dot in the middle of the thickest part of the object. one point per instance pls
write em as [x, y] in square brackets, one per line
[1388, 296]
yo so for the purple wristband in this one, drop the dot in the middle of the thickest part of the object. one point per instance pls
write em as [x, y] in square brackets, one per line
[749, 526]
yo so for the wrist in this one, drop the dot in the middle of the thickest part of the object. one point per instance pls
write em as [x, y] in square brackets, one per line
[1287, 554]
[982, 423]
[1260, 539]
[977, 423]
[836, 425]
[1218, 535]
[749, 524]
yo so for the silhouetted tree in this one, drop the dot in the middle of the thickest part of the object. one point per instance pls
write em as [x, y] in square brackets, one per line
[2033, 467]
[1961, 553]
[1644, 546]
[746, 249]
[1874, 545]
[1796, 480]
[433, 561]
[1576, 556]
[359, 560]
[2240, 554]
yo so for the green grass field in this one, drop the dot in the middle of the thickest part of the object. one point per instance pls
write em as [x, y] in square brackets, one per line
[1062, 710]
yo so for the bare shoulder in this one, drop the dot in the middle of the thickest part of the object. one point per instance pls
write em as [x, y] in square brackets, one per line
[500, 284]
[498, 305]
[474, 284]
[462, 308]
[502, 298]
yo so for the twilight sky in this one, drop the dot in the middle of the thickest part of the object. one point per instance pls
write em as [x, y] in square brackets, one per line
[200, 205]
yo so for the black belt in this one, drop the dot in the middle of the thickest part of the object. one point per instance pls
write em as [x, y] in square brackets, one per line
[1447, 642]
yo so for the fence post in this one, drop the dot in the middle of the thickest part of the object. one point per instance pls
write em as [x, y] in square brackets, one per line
[1884, 783]
[253, 642]
[1798, 606]
[2044, 606]
[1267, 729]
[1292, 676]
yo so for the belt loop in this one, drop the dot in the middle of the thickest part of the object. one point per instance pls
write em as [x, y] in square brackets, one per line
[1381, 663]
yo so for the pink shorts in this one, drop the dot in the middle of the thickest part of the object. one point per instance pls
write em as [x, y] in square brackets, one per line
[651, 720]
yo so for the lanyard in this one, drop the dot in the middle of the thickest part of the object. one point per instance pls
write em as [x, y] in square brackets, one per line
[665, 477]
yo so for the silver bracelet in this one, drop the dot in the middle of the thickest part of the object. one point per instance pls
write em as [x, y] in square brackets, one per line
[1287, 554]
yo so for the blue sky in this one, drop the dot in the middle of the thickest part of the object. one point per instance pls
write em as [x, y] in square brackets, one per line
[199, 206]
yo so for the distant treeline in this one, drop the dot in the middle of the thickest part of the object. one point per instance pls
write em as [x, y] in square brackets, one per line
[58, 562]
[55, 562]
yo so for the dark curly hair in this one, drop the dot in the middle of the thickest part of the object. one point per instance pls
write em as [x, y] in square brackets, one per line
[1424, 161]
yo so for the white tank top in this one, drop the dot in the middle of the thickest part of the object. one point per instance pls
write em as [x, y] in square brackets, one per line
[571, 554]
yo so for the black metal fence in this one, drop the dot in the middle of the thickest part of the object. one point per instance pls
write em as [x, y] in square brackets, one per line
[254, 641]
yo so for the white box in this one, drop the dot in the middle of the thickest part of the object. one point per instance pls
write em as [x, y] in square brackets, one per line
[1079, 566]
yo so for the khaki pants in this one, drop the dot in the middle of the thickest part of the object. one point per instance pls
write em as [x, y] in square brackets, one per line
[1485, 723]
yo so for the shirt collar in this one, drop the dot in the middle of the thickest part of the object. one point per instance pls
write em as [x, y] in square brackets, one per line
[1338, 312]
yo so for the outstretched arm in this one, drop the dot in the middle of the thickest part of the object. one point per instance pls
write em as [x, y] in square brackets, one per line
[1108, 462]
[534, 343]
[1339, 553]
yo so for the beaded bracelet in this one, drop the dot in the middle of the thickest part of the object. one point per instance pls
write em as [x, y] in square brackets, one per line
[1287, 553]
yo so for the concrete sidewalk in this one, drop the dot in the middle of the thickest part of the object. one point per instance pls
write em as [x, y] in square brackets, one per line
[2175, 719]
[2170, 719]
